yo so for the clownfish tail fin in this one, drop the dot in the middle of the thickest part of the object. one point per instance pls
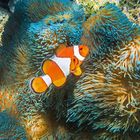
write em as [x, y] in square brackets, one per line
[40, 84]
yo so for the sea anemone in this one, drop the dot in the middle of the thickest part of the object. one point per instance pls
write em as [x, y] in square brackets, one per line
[101, 104]
[106, 98]
[10, 128]
[4, 15]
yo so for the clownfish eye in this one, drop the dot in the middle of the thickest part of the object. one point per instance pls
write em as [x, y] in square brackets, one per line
[83, 50]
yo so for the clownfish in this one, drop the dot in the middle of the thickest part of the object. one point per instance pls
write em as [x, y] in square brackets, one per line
[56, 69]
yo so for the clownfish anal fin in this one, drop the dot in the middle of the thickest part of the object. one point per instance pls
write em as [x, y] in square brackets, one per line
[77, 71]
[59, 82]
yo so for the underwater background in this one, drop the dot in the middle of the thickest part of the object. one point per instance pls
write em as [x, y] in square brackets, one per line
[103, 103]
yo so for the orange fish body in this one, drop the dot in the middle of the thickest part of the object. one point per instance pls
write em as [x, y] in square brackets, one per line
[56, 69]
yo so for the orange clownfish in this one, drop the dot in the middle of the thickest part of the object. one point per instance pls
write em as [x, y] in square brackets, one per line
[56, 69]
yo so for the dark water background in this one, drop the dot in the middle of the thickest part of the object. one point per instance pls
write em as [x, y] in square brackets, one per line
[4, 4]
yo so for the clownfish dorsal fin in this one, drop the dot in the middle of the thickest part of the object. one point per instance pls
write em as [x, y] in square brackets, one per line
[61, 49]
[52, 68]
[46, 65]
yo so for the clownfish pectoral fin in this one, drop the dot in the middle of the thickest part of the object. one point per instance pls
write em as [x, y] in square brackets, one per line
[38, 85]
[74, 63]
[59, 82]
[77, 71]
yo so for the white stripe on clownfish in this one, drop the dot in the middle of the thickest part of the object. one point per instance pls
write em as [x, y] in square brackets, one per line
[47, 79]
[77, 53]
[63, 63]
